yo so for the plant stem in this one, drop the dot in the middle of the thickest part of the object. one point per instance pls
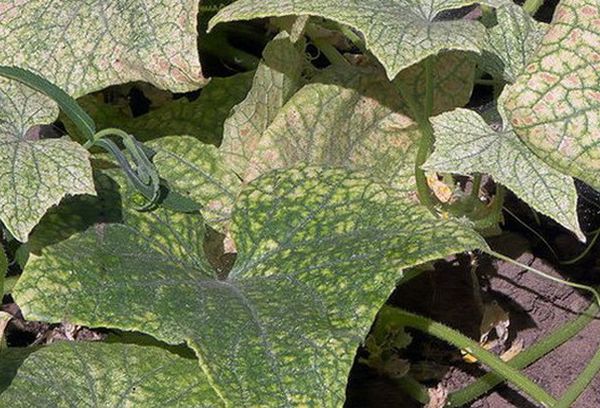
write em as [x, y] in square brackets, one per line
[461, 341]
[476, 186]
[585, 252]
[353, 37]
[533, 231]
[413, 388]
[580, 384]
[330, 52]
[545, 275]
[525, 358]
[421, 116]
[532, 6]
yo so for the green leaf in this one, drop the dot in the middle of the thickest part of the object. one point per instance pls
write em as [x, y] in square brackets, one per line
[35, 174]
[554, 106]
[466, 144]
[202, 118]
[277, 78]
[319, 252]
[351, 117]
[198, 171]
[68, 374]
[3, 269]
[399, 33]
[510, 45]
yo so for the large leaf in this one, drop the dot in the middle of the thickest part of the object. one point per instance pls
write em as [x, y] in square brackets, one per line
[83, 47]
[80, 47]
[355, 126]
[554, 106]
[319, 252]
[351, 117]
[34, 174]
[399, 33]
[69, 374]
[510, 45]
[277, 78]
[466, 144]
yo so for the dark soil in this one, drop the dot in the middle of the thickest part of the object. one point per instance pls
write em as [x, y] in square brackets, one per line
[536, 306]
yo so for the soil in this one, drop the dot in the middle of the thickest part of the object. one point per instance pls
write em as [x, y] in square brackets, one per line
[535, 305]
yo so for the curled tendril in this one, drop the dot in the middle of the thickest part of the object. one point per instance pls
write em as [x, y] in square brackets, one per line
[142, 174]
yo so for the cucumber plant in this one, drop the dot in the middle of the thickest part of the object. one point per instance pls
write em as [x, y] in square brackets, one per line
[326, 168]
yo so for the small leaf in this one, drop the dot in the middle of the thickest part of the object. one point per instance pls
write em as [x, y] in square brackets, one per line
[466, 144]
[399, 33]
[68, 374]
[319, 252]
[554, 106]
[35, 174]
[510, 45]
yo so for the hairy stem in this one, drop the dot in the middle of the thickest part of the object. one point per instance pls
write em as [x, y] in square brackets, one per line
[476, 186]
[461, 341]
[421, 116]
[413, 388]
[532, 6]
[580, 384]
[330, 52]
[525, 358]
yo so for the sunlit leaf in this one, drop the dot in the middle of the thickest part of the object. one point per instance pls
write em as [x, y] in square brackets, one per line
[399, 33]
[554, 106]
[69, 374]
[466, 144]
[318, 252]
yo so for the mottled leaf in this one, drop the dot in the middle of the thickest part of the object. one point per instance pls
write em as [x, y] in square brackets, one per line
[202, 118]
[83, 47]
[277, 78]
[69, 374]
[510, 45]
[319, 252]
[466, 144]
[453, 80]
[340, 126]
[554, 106]
[399, 33]
[34, 174]
[198, 171]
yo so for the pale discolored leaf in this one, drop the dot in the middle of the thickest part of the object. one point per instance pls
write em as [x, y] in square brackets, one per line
[466, 144]
[198, 171]
[453, 79]
[85, 46]
[319, 251]
[277, 78]
[554, 106]
[399, 33]
[69, 374]
[35, 174]
[510, 45]
[356, 126]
